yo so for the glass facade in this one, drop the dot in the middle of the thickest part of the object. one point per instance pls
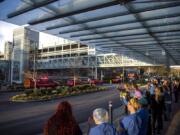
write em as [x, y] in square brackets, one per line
[25, 46]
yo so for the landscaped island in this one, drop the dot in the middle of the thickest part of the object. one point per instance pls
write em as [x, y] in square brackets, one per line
[63, 91]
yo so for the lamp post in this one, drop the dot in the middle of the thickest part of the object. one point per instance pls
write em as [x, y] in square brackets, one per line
[12, 61]
[34, 66]
[110, 112]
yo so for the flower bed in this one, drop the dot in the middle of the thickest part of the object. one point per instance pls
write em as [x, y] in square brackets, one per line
[48, 94]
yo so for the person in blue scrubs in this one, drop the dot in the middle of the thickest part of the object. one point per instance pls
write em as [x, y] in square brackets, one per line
[131, 124]
[102, 127]
[143, 113]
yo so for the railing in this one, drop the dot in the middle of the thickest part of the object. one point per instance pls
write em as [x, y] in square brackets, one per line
[88, 62]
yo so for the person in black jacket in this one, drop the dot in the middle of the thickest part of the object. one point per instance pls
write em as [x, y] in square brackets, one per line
[160, 107]
[176, 90]
[167, 99]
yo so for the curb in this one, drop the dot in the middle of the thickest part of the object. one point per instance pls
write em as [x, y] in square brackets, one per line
[40, 100]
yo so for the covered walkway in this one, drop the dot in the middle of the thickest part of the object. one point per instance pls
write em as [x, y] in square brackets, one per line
[143, 29]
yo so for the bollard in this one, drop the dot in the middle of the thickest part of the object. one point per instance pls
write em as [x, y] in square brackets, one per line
[110, 81]
[110, 112]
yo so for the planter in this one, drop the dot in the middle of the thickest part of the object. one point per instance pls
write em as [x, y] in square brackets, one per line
[44, 95]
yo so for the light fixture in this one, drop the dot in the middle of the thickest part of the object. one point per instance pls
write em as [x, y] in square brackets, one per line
[147, 53]
[163, 52]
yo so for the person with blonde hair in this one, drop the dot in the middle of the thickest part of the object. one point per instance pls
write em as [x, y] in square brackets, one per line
[134, 103]
[131, 124]
[125, 95]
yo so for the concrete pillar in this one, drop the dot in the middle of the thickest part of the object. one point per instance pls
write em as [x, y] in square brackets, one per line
[102, 75]
[167, 63]
[123, 74]
[95, 73]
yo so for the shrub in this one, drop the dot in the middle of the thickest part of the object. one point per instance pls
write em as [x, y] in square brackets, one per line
[76, 88]
[64, 90]
[19, 97]
[102, 88]
[28, 91]
[37, 92]
[54, 92]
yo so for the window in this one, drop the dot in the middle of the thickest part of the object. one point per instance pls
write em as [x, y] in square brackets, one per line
[74, 54]
[58, 48]
[39, 51]
[83, 54]
[51, 49]
[45, 50]
[66, 47]
[83, 46]
[58, 56]
[66, 55]
[17, 42]
[51, 56]
[74, 46]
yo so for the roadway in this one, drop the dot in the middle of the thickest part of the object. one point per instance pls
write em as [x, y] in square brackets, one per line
[29, 118]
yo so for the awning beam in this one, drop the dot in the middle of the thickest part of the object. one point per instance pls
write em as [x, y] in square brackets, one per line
[138, 18]
[29, 8]
[67, 14]
[118, 23]
[125, 35]
[163, 6]
[125, 29]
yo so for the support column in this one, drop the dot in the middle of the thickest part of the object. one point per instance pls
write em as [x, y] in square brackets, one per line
[167, 63]
[102, 75]
[123, 74]
[12, 65]
[95, 73]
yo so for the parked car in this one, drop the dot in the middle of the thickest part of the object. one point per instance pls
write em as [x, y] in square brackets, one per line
[70, 83]
[43, 83]
[116, 80]
[96, 81]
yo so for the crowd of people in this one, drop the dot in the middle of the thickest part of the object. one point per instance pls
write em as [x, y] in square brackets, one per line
[152, 105]
[146, 109]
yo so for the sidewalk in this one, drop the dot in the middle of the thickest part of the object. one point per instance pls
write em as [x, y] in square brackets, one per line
[173, 127]
[117, 114]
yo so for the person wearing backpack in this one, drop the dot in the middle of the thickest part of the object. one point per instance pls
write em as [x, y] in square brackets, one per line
[102, 126]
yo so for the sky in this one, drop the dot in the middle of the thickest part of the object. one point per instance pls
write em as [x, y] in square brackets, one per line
[6, 33]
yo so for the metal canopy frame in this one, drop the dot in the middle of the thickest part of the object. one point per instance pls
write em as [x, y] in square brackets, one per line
[138, 18]
[122, 29]
[111, 3]
[29, 8]
[139, 40]
[117, 24]
[93, 38]
[91, 31]
[116, 15]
